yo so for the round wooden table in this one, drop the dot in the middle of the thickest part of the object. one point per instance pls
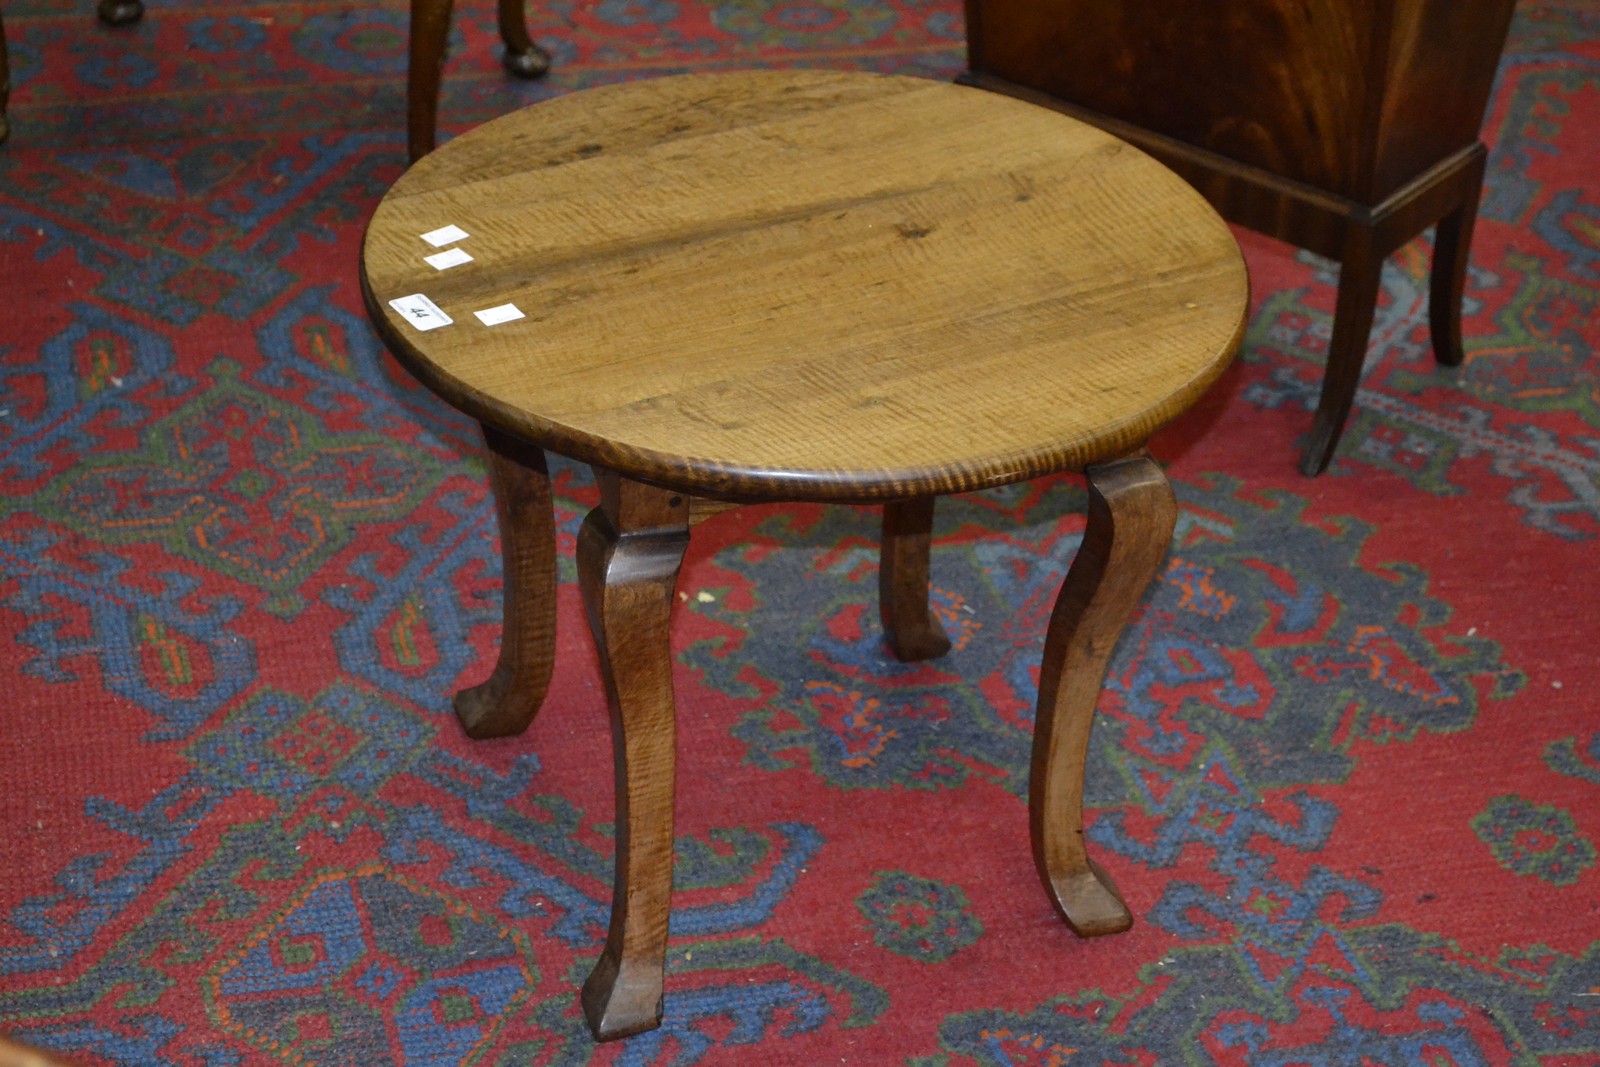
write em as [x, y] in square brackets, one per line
[801, 286]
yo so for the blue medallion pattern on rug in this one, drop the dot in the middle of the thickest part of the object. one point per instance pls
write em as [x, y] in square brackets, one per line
[918, 917]
[1534, 839]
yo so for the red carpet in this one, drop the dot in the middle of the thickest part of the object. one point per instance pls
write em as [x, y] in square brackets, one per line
[1347, 770]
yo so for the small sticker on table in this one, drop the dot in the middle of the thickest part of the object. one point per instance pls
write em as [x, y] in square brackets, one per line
[420, 312]
[453, 257]
[445, 235]
[496, 315]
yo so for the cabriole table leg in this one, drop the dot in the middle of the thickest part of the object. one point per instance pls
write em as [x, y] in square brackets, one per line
[1131, 517]
[629, 552]
[914, 632]
[506, 703]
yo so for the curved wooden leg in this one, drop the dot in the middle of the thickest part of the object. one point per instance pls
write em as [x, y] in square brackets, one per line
[1359, 273]
[1131, 516]
[629, 552]
[5, 85]
[914, 632]
[430, 28]
[120, 12]
[522, 57]
[1452, 240]
[506, 703]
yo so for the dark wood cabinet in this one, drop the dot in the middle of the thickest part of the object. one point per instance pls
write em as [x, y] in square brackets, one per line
[1344, 126]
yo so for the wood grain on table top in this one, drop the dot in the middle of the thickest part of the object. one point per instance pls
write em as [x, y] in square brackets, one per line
[811, 285]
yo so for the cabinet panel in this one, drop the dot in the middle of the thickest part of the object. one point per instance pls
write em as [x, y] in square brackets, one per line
[1286, 85]
[1442, 60]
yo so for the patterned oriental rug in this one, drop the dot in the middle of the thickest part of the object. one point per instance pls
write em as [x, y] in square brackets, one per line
[1347, 770]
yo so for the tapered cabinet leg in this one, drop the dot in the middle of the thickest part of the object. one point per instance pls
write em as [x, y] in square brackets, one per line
[1452, 240]
[430, 28]
[914, 632]
[506, 703]
[522, 57]
[629, 552]
[1131, 517]
[1360, 270]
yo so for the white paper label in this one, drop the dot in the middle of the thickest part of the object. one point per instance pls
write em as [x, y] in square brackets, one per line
[420, 312]
[445, 260]
[496, 315]
[445, 235]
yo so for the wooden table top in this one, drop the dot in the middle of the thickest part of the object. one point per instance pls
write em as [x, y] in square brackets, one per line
[810, 285]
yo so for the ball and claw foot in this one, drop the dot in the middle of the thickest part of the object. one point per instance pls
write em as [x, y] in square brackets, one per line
[121, 12]
[532, 62]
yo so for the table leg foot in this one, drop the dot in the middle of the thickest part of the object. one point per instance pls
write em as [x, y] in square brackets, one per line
[1089, 901]
[120, 12]
[506, 703]
[522, 57]
[914, 632]
[1131, 517]
[621, 1000]
[629, 552]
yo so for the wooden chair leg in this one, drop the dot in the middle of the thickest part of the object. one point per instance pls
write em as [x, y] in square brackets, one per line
[1131, 517]
[629, 552]
[506, 703]
[1452, 240]
[914, 632]
[522, 57]
[120, 12]
[430, 29]
[1360, 271]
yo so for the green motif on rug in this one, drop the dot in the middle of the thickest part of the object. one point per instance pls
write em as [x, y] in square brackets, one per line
[1575, 757]
[245, 484]
[1382, 995]
[918, 918]
[1539, 840]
